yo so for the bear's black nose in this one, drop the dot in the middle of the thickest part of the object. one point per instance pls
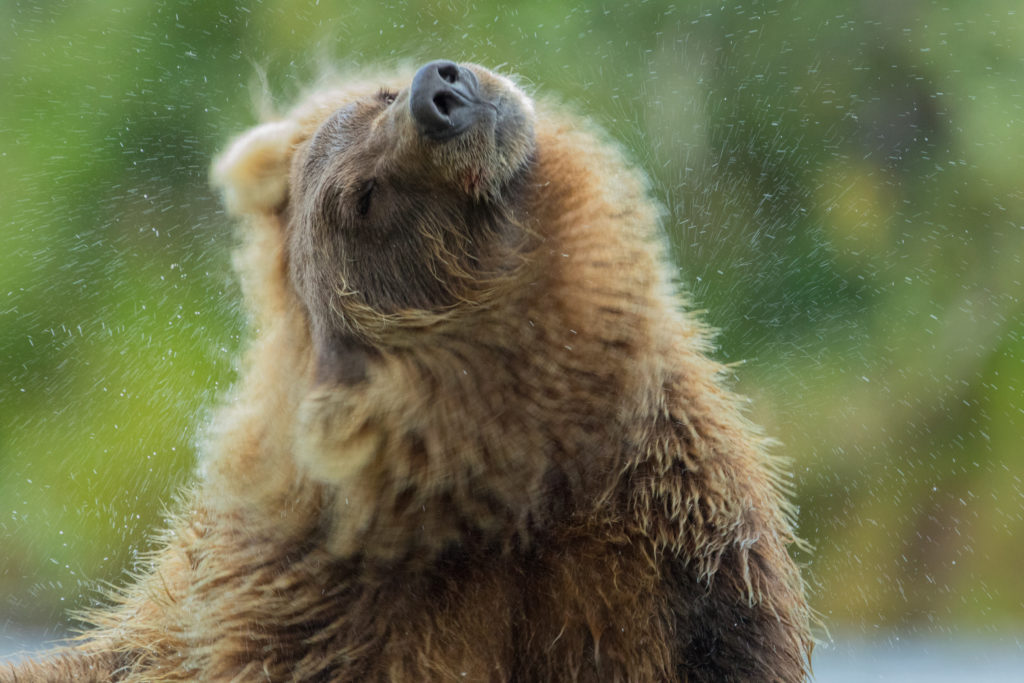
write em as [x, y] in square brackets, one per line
[445, 99]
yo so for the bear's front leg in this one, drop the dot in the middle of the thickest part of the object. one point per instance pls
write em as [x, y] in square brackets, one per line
[746, 622]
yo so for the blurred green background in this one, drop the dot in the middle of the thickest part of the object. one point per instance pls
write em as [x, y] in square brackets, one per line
[844, 195]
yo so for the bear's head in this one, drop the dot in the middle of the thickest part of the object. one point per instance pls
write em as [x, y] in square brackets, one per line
[399, 202]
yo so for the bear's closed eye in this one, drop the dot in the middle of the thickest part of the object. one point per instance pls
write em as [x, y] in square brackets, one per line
[365, 195]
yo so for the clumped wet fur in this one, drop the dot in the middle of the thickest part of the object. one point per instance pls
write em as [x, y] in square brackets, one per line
[475, 437]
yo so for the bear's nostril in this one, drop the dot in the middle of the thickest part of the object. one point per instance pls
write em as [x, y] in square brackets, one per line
[449, 72]
[443, 103]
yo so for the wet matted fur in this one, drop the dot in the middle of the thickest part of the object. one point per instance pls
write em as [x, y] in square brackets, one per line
[475, 437]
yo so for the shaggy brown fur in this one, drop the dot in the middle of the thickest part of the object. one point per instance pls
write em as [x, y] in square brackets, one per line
[475, 437]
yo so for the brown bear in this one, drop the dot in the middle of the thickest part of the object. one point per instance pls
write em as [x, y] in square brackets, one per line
[475, 437]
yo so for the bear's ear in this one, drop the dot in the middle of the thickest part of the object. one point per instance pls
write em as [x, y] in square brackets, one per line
[253, 172]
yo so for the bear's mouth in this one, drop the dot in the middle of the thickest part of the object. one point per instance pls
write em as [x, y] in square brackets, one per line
[476, 126]
[474, 180]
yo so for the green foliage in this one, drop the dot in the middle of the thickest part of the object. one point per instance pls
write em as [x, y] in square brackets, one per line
[842, 190]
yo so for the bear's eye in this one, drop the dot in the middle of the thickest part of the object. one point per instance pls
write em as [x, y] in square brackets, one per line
[386, 96]
[365, 193]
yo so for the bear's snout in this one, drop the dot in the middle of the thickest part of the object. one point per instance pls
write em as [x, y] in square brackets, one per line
[445, 100]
